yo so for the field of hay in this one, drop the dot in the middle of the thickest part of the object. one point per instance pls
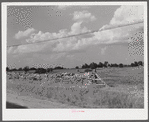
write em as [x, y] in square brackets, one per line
[125, 90]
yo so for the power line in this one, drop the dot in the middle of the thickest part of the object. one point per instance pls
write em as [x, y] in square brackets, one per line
[79, 34]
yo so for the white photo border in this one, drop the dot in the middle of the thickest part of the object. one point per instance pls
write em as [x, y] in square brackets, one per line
[67, 114]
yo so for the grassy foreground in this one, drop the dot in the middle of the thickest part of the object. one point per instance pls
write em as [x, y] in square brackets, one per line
[83, 96]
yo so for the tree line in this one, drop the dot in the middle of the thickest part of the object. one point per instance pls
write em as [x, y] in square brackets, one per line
[36, 70]
[92, 65]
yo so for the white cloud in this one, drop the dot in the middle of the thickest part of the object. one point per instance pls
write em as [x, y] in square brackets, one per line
[76, 28]
[127, 14]
[83, 16]
[9, 50]
[61, 45]
[122, 16]
[25, 33]
[27, 48]
[40, 36]
[65, 44]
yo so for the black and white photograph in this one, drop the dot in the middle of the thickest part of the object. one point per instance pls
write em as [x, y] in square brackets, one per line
[74, 60]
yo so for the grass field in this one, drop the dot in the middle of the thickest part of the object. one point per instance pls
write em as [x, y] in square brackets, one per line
[125, 90]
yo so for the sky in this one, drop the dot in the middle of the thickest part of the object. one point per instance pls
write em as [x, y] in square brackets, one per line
[34, 24]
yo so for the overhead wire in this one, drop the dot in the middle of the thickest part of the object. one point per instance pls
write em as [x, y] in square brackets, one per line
[89, 32]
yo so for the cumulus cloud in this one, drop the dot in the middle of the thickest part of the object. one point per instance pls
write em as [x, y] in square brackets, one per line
[127, 14]
[9, 50]
[76, 28]
[25, 33]
[26, 48]
[65, 44]
[40, 36]
[122, 16]
[59, 45]
[117, 35]
[83, 16]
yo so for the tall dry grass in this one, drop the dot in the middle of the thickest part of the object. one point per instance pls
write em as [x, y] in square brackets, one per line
[79, 95]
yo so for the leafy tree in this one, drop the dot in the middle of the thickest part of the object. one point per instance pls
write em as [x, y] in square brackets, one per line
[93, 65]
[111, 65]
[140, 63]
[14, 69]
[85, 66]
[33, 68]
[26, 68]
[132, 64]
[20, 69]
[120, 65]
[105, 64]
[125, 65]
[41, 70]
[136, 63]
[7, 69]
[49, 69]
[58, 67]
[100, 65]
[77, 67]
[115, 65]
